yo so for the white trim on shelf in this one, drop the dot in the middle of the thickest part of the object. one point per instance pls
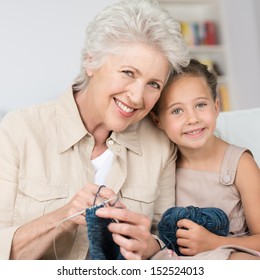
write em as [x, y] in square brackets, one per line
[206, 48]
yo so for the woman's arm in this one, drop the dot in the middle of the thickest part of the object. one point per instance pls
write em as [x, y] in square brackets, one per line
[33, 239]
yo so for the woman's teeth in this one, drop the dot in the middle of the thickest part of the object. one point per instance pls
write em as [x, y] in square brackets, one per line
[124, 107]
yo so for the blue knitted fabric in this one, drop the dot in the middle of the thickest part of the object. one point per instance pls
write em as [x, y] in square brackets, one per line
[101, 243]
[213, 219]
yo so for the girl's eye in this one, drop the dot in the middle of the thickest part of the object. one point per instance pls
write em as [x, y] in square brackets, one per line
[201, 105]
[128, 73]
[176, 111]
[155, 85]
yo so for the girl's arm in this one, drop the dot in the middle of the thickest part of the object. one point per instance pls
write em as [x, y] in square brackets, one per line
[248, 184]
[198, 239]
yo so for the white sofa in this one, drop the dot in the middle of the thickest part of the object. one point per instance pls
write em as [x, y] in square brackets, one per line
[242, 128]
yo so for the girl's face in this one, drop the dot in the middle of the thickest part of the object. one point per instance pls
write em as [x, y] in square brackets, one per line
[188, 113]
[126, 87]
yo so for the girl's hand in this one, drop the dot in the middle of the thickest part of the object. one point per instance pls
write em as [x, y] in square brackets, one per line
[193, 238]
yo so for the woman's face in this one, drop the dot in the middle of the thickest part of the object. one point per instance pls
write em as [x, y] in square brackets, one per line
[126, 87]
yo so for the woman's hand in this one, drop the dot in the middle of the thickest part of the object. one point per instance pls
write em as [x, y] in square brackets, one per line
[88, 196]
[131, 233]
[193, 238]
[41, 232]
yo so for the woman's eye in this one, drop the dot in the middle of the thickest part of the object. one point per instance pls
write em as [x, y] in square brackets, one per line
[128, 73]
[155, 85]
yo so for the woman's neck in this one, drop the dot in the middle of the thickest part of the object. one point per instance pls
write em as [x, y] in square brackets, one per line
[92, 123]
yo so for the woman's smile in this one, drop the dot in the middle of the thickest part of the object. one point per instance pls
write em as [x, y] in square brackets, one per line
[123, 108]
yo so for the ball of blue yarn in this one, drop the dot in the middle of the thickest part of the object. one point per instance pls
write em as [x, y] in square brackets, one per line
[212, 218]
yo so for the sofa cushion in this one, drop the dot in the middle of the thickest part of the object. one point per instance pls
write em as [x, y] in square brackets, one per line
[241, 128]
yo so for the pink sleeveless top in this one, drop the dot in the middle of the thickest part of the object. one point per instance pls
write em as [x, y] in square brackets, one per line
[209, 189]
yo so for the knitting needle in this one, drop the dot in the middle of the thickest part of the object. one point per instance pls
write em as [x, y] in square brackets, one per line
[103, 203]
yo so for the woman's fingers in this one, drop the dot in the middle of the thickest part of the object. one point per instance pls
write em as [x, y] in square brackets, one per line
[131, 233]
[102, 194]
[123, 215]
[74, 211]
[129, 255]
[129, 247]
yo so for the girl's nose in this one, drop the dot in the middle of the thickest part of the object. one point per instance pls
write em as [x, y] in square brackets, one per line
[192, 117]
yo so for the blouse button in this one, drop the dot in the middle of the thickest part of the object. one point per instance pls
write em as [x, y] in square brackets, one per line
[110, 142]
[226, 178]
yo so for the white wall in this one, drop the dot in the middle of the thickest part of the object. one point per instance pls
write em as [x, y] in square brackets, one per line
[41, 40]
[40, 45]
[257, 16]
[242, 26]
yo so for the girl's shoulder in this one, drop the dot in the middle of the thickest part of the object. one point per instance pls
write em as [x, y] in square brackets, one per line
[233, 158]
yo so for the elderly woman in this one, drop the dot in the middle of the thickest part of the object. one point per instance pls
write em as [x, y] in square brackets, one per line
[54, 157]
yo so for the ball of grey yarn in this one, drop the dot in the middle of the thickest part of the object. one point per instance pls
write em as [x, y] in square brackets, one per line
[212, 218]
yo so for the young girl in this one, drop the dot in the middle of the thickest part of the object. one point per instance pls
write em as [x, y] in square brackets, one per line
[210, 171]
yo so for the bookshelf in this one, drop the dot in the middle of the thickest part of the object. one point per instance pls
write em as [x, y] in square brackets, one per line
[201, 23]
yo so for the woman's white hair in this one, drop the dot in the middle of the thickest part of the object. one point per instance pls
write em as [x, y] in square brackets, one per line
[133, 21]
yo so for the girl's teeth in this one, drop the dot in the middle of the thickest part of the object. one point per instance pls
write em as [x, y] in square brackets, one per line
[194, 132]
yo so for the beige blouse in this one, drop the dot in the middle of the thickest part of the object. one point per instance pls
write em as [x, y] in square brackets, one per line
[45, 159]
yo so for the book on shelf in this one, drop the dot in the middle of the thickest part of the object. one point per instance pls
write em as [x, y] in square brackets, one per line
[210, 33]
[187, 33]
[223, 97]
[199, 33]
[222, 89]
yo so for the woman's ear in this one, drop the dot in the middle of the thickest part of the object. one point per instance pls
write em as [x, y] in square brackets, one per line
[155, 119]
[89, 71]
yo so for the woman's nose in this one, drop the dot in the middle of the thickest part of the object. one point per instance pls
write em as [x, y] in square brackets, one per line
[136, 92]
